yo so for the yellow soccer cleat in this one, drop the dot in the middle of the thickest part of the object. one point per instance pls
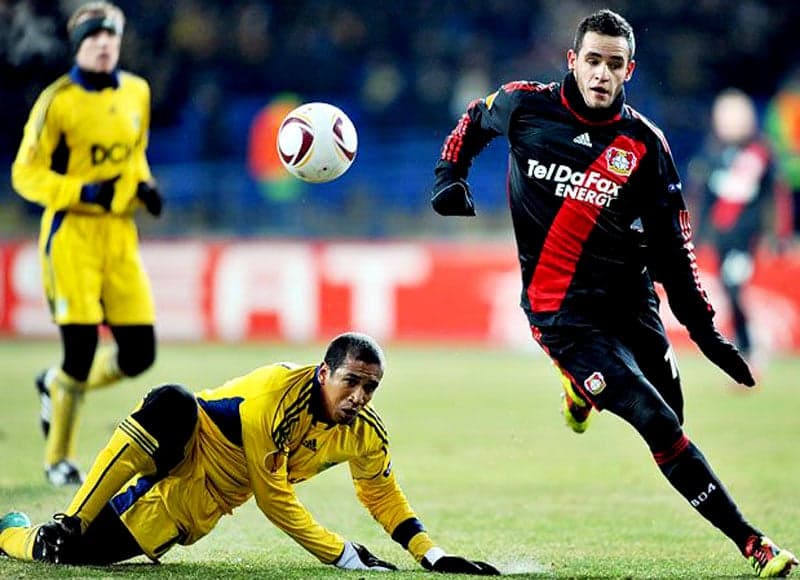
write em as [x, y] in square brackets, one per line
[576, 410]
[767, 559]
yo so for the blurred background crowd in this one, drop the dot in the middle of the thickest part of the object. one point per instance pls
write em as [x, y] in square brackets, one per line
[223, 71]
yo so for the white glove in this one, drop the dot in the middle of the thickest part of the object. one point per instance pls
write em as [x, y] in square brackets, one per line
[357, 557]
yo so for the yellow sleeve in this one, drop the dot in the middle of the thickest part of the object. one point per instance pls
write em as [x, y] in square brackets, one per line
[31, 175]
[142, 166]
[377, 488]
[275, 497]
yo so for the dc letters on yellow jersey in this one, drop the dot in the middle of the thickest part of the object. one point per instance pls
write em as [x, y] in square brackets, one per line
[259, 436]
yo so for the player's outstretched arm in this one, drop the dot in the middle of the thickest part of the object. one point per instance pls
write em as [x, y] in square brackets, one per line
[382, 496]
[436, 560]
[723, 354]
[357, 557]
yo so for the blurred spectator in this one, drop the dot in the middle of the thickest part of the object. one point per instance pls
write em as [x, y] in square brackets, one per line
[783, 129]
[263, 161]
[399, 68]
[733, 177]
[32, 55]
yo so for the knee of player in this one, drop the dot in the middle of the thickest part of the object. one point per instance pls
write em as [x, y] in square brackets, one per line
[169, 408]
[135, 361]
[659, 427]
[169, 414]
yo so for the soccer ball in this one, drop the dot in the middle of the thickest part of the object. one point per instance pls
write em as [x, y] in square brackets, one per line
[317, 142]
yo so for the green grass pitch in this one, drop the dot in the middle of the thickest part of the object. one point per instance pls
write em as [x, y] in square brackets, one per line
[480, 450]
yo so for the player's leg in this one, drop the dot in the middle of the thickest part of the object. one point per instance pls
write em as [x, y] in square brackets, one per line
[133, 353]
[72, 255]
[129, 311]
[647, 340]
[65, 387]
[106, 541]
[150, 441]
[736, 269]
[608, 375]
[576, 410]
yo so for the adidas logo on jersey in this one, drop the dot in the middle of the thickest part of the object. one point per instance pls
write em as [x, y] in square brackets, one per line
[310, 444]
[583, 139]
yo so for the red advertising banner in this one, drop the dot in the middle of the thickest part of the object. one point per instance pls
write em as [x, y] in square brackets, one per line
[300, 291]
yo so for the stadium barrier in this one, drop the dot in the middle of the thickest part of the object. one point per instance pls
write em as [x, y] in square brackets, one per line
[396, 290]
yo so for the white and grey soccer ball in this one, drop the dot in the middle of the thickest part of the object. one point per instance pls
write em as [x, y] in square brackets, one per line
[317, 142]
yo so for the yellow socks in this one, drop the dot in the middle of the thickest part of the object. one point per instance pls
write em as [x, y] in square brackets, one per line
[66, 395]
[128, 453]
[18, 542]
[105, 369]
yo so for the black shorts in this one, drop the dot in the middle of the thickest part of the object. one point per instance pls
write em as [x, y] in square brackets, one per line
[628, 365]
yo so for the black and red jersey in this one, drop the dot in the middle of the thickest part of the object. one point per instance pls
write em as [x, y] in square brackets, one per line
[737, 181]
[586, 188]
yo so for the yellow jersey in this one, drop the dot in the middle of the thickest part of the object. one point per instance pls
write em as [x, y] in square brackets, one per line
[77, 135]
[260, 434]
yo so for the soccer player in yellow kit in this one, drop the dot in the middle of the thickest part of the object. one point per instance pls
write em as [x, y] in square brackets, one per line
[180, 462]
[82, 158]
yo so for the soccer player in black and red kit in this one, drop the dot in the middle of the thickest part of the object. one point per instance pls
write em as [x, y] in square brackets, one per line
[734, 174]
[598, 214]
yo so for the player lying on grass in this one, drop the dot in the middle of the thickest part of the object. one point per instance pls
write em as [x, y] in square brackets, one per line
[180, 462]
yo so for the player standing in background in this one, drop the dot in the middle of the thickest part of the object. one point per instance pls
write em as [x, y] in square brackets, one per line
[82, 157]
[734, 174]
[197, 458]
[782, 127]
[597, 209]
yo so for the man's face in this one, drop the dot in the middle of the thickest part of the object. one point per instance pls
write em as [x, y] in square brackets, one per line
[733, 118]
[99, 52]
[601, 68]
[348, 389]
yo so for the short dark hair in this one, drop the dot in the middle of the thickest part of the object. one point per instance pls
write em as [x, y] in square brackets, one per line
[356, 345]
[608, 23]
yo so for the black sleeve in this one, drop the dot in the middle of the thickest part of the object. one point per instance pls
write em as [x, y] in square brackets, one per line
[671, 250]
[484, 120]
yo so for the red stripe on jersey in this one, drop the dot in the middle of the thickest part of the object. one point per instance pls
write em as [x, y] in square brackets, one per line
[452, 144]
[740, 185]
[531, 86]
[677, 448]
[454, 141]
[686, 234]
[569, 231]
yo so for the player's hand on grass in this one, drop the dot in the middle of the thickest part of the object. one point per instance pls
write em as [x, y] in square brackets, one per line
[100, 193]
[723, 354]
[357, 557]
[453, 198]
[436, 560]
[151, 198]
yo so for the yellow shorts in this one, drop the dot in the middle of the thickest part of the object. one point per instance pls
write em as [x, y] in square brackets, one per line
[92, 271]
[178, 509]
